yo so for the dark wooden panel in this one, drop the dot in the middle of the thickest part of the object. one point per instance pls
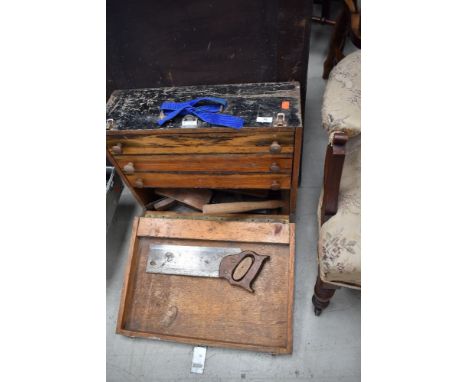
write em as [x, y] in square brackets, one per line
[210, 163]
[182, 42]
[197, 180]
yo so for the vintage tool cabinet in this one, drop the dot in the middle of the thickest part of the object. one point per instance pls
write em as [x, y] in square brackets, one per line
[263, 155]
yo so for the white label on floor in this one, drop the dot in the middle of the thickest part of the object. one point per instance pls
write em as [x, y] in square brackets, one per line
[198, 359]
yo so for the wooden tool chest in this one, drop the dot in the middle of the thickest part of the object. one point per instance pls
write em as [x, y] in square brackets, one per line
[263, 155]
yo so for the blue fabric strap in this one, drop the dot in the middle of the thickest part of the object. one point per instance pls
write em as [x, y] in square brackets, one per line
[208, 112]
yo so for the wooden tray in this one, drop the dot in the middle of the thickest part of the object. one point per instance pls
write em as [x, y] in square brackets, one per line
[209, 311]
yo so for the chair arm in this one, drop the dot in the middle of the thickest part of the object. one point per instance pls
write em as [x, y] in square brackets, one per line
[334, 160]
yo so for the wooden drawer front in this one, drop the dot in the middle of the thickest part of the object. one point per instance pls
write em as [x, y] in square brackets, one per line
[204, 143]
[208, 310]
[187, 180]
[206, 163]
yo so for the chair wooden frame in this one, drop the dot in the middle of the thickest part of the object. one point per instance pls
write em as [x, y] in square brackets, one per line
[333, 169]
[347, 24]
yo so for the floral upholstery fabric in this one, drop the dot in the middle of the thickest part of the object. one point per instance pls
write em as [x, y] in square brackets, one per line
[341, 108]
[339, 246]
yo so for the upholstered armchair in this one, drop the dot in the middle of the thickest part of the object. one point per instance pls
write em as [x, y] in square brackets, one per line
[339, 210]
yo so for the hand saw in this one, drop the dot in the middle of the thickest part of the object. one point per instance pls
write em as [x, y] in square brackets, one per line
[238, 267]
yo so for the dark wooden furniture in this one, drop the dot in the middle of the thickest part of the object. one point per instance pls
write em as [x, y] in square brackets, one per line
[333, 169]
[264, 155]
[348, 24]
[153, 44]
[258, 156]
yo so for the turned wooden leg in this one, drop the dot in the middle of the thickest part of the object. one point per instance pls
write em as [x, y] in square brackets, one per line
[322, 295]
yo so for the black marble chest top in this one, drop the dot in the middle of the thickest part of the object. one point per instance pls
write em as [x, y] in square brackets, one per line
[257, 104]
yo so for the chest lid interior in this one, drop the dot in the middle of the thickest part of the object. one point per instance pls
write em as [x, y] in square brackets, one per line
[209, 310]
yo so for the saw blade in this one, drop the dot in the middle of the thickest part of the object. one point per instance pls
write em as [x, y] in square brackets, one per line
[187, 260]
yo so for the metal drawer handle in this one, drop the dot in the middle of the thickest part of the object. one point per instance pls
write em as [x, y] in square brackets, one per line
[139, 183]
[275, 147]
[275, 185]
[128, 168]
[110, 124]
[280, 120]
[117, 149]
[274, 167]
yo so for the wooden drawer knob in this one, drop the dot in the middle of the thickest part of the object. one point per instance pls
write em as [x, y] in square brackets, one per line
[117, 149]
[139, 183]
[274, 167]
[275, 148]
[275, 185]
[128, 168]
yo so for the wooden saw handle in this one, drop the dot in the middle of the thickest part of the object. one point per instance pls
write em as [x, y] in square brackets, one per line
[231, 268]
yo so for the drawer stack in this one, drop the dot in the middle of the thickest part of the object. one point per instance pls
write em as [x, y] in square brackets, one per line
[254, 159]
[263, 155]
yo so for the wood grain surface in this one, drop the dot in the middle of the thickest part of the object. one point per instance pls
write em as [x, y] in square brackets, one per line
[214, 181]
[208, 163]
[209, 311]
[142, 196]
[127, 286]
[227, 217]
[238, 207]
[263, 232]
[190, 197]
[213, 143]
[161, 204]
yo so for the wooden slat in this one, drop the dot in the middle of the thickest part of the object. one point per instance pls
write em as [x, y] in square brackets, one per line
[214, 230]
[292, 258]
[213, 143]
[211, 163]
[127, 286]
[296, 170]
[197, 130]
[333, 168]
[193, 198]
[194, 180]
[238, 207]
[221, 217]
